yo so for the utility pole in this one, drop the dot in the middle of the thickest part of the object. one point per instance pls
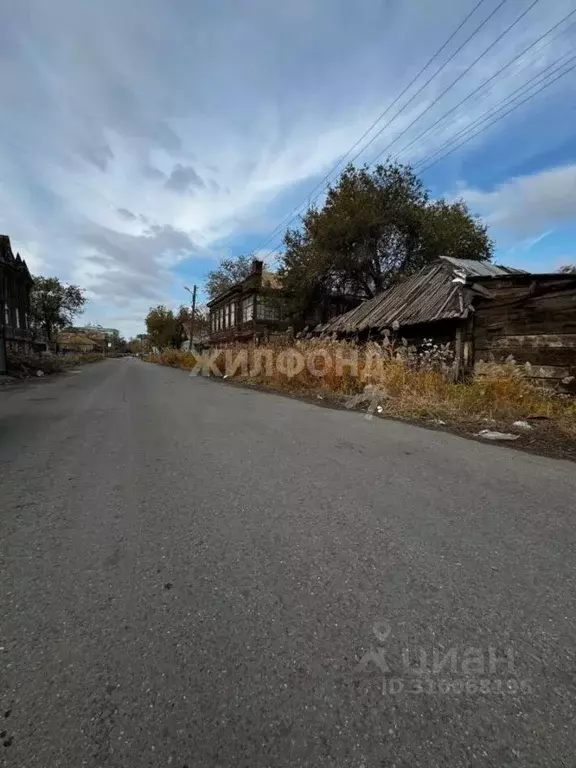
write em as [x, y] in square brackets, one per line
[193, 315]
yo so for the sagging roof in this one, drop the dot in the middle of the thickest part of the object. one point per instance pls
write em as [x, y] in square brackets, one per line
[438, 292]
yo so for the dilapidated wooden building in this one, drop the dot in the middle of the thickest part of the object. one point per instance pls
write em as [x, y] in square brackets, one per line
[486, 312]
[15, 287]
[251, 308]
[258, 307]
[531, 318]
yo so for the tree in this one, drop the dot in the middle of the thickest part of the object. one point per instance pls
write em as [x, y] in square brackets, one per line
[230, 272]
[53, 306]
[375, 228]
[201, 325]
[165, 329]
[140, 344]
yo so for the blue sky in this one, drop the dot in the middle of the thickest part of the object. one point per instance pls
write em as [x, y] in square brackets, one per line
[140, 142]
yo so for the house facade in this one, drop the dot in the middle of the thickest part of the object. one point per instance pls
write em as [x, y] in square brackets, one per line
[485, 311]
[15, 286]
[104, 338]
[75, 342]
[251, 309]
[531, 319]
[258, 307]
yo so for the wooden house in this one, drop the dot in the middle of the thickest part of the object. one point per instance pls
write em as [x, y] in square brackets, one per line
[249, 309]
[75, 342]
[15, 286]
[531, 318]
[258, 307]
[486, 312]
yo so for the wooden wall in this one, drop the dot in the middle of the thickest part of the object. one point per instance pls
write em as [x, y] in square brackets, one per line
[532, 318]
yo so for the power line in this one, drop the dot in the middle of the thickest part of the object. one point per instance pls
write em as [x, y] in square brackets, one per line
[530, 84]
[287, 220]
[419, 91]
[489, 80]
[490, 113]
[530, 96]
[460, 76]
[493, 110]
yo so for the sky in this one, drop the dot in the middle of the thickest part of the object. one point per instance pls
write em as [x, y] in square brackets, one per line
[142, 142]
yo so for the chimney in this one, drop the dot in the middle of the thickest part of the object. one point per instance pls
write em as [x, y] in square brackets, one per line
[257, 266]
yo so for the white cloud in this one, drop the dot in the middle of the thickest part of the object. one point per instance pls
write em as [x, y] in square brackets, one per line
[135, 137]
[529, 205]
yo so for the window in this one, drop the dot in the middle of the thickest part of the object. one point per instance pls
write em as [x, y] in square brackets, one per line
[248, 309]
[233, 314]
[6, 314]
[267, 309]
[17, 317]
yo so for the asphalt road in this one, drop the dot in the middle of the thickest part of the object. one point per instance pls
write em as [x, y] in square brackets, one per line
[194, 574]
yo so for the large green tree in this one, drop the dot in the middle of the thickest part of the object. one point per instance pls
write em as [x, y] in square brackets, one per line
[376, 227]
[53, 306]
[229, 272]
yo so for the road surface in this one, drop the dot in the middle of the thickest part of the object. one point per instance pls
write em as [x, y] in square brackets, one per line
[194, 574]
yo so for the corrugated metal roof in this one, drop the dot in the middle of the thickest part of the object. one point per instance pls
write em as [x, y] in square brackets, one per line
[481, 268]
[435, 293]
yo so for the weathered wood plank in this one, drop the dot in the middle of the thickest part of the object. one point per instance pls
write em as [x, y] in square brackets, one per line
[549, 372]
[536, 371]
[560, 356]
[529, 309]
[526, 322]
[534, 341]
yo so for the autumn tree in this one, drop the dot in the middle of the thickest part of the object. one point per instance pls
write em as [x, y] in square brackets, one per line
[376, 227]
[228, 273]
[53, 306]
[165, 328]
[201, 324]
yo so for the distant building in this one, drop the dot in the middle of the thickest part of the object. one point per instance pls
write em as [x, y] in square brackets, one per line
[15, 286]
[258, 307]
[251, 308]
[74, 342]
[106, 338]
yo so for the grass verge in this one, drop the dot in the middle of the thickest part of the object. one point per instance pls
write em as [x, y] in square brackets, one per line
[25, 365]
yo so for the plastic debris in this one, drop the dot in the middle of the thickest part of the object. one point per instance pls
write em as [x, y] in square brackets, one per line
[522, 425]
[488, 434]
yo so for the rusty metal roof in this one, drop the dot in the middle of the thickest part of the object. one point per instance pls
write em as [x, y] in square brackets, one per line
[481, 268]
[435, 293]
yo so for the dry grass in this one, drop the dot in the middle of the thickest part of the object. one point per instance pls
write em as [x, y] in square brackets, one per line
[26, 364]
[405, 384]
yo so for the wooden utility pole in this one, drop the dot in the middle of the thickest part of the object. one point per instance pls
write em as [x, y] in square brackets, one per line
[192, 318]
